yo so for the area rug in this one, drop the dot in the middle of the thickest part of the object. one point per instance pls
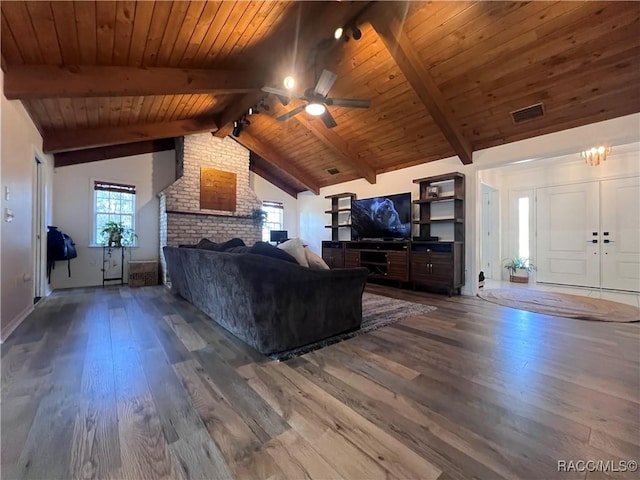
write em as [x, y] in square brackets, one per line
[377, 311]
[562, 304]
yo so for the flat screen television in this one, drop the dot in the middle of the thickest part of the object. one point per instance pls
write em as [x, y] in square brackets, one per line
[381, 218]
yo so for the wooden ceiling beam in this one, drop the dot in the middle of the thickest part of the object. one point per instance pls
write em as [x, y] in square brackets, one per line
[333, 141]
[271, 156]
[69, 140]
[385, 19]
[257, 167]
[115, 151]
[53, 81]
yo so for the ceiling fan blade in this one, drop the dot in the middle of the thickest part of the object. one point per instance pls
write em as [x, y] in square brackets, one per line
[277, 91]
[325, 82]
[328, 120]
[290, 113]
[349, 102]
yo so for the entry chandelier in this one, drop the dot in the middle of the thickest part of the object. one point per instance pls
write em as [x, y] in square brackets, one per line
[596, 155]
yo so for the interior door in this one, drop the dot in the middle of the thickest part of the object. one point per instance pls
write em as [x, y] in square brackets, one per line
[37, 230]
[568, 246]
[486, 253]
[620, 220]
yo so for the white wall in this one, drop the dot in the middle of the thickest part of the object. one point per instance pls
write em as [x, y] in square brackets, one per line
[269, 192]
[21, 142]
[614, 132]
[73, 207]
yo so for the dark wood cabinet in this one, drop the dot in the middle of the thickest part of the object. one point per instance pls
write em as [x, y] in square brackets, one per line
[333, 254]
[386, 260]
[351, 258]
[437, 264]
[437, 253]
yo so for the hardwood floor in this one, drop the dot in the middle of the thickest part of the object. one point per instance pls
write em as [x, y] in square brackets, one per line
[135, 383]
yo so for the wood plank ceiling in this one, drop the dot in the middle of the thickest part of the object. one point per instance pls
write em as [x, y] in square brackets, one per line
[442, 77]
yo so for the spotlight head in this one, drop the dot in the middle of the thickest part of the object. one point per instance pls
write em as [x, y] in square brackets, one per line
[289, 82]
[356, 33]
[338, 33]
[252, 110]
[237, 128]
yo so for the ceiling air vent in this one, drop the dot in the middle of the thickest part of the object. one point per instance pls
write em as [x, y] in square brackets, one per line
[529, 113]
[333, 171]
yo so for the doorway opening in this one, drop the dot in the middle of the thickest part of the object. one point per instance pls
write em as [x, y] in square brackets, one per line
[39, 232]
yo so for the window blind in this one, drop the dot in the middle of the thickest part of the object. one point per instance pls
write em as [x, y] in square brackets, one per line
[114, 187]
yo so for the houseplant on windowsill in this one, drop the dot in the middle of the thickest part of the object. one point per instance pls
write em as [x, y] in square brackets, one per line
[258, 216]
[115, 234]
[519, 269]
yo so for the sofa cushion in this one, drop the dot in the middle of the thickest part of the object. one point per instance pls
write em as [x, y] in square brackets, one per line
[315, 261]
[265, 249]
[295, 248]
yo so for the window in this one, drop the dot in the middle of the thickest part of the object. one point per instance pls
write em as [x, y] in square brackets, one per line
[523, 227]
[275, 219]
[112, 202]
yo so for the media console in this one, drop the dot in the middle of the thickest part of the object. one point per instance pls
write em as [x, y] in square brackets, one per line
[389, 260]
[427, 264]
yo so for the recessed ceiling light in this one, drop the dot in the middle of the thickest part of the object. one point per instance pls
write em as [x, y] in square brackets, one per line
[338, 33]
[315, 109]
[289, 82]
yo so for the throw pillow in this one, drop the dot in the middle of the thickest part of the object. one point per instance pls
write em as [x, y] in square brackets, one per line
[206, 244]
[234, 242]
[295, 248]
[268, 250]
[315, 261]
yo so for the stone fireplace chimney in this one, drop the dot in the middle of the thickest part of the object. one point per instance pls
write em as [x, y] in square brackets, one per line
[181, 219]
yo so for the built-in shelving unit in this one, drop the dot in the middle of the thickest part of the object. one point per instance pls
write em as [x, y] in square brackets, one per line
[340, 212]
[437, 252]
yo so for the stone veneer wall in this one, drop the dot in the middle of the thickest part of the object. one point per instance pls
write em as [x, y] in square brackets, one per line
[182, 221]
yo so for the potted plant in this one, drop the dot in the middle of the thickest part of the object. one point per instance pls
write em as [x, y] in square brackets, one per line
[258, 216]
[519, 269]
[115, 234]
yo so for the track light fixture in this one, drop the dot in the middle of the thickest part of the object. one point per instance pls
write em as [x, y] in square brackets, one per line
[340, 32]
[239, 125]
[261, 106]
[237, 129]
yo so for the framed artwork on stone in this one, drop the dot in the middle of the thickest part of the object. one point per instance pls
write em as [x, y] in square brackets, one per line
[217, 190]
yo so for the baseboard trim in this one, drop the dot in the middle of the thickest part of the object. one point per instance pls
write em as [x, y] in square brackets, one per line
[13, 324]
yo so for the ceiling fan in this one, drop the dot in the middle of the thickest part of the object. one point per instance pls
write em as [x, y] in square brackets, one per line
[317, 100]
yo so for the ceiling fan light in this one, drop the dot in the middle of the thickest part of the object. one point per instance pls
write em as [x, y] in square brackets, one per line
[289, 82]
[338, 33]
[315, 109]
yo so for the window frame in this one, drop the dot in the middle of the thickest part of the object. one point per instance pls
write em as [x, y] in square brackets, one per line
[94, 239]
[279, 206]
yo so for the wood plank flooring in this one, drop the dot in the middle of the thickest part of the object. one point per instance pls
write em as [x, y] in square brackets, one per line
[136, 383]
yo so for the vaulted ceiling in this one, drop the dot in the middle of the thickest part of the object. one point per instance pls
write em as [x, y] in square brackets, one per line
[443, 77]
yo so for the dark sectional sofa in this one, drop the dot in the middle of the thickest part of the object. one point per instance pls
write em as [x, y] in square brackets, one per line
[272, 304]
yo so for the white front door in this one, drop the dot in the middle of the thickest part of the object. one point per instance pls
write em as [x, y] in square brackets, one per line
[620, 233]
[568, 242]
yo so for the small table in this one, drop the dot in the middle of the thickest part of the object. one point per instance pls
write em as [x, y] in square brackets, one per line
[106, 256]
